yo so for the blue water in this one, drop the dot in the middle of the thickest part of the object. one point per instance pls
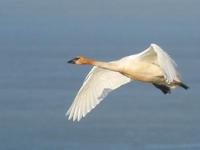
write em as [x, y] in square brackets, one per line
[37, 86]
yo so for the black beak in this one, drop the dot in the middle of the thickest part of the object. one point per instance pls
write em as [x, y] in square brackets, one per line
[73, 61]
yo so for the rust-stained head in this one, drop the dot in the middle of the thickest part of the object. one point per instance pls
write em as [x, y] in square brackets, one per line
[80, 60]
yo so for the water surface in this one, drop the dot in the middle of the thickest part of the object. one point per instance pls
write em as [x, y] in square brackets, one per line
[37, 85]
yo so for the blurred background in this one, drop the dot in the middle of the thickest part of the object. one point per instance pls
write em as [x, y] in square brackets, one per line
[37, 86]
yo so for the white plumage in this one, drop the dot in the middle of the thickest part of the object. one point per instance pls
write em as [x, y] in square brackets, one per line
[166, 63]
[98, 83]
[153, 65]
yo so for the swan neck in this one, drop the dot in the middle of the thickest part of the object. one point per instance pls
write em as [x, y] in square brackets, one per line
[109, 66]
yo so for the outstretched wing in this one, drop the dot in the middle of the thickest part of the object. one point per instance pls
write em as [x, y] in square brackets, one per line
[166, 63]
[98, 83]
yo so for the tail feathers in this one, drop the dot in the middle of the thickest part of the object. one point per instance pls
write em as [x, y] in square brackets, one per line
[183, 85]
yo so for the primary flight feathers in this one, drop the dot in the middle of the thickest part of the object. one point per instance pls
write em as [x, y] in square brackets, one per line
[153, 65]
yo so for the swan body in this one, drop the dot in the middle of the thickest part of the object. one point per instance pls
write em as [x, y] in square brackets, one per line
[153, 65]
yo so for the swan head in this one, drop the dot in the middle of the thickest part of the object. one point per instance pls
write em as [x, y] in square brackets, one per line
[79, 60]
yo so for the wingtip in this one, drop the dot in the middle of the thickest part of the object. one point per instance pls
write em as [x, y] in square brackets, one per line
[68, 115]
[154, 44]
[75, 119]
[70, 118]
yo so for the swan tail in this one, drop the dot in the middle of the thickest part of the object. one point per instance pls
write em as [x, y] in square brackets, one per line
[183, 85]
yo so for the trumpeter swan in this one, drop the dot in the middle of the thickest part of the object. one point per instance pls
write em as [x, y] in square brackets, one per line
[153, 65]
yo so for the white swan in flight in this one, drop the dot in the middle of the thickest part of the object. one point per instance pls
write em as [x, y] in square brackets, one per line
[153, 65]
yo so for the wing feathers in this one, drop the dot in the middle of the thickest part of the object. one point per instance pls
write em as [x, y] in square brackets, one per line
[98, 83]
[166, 63]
